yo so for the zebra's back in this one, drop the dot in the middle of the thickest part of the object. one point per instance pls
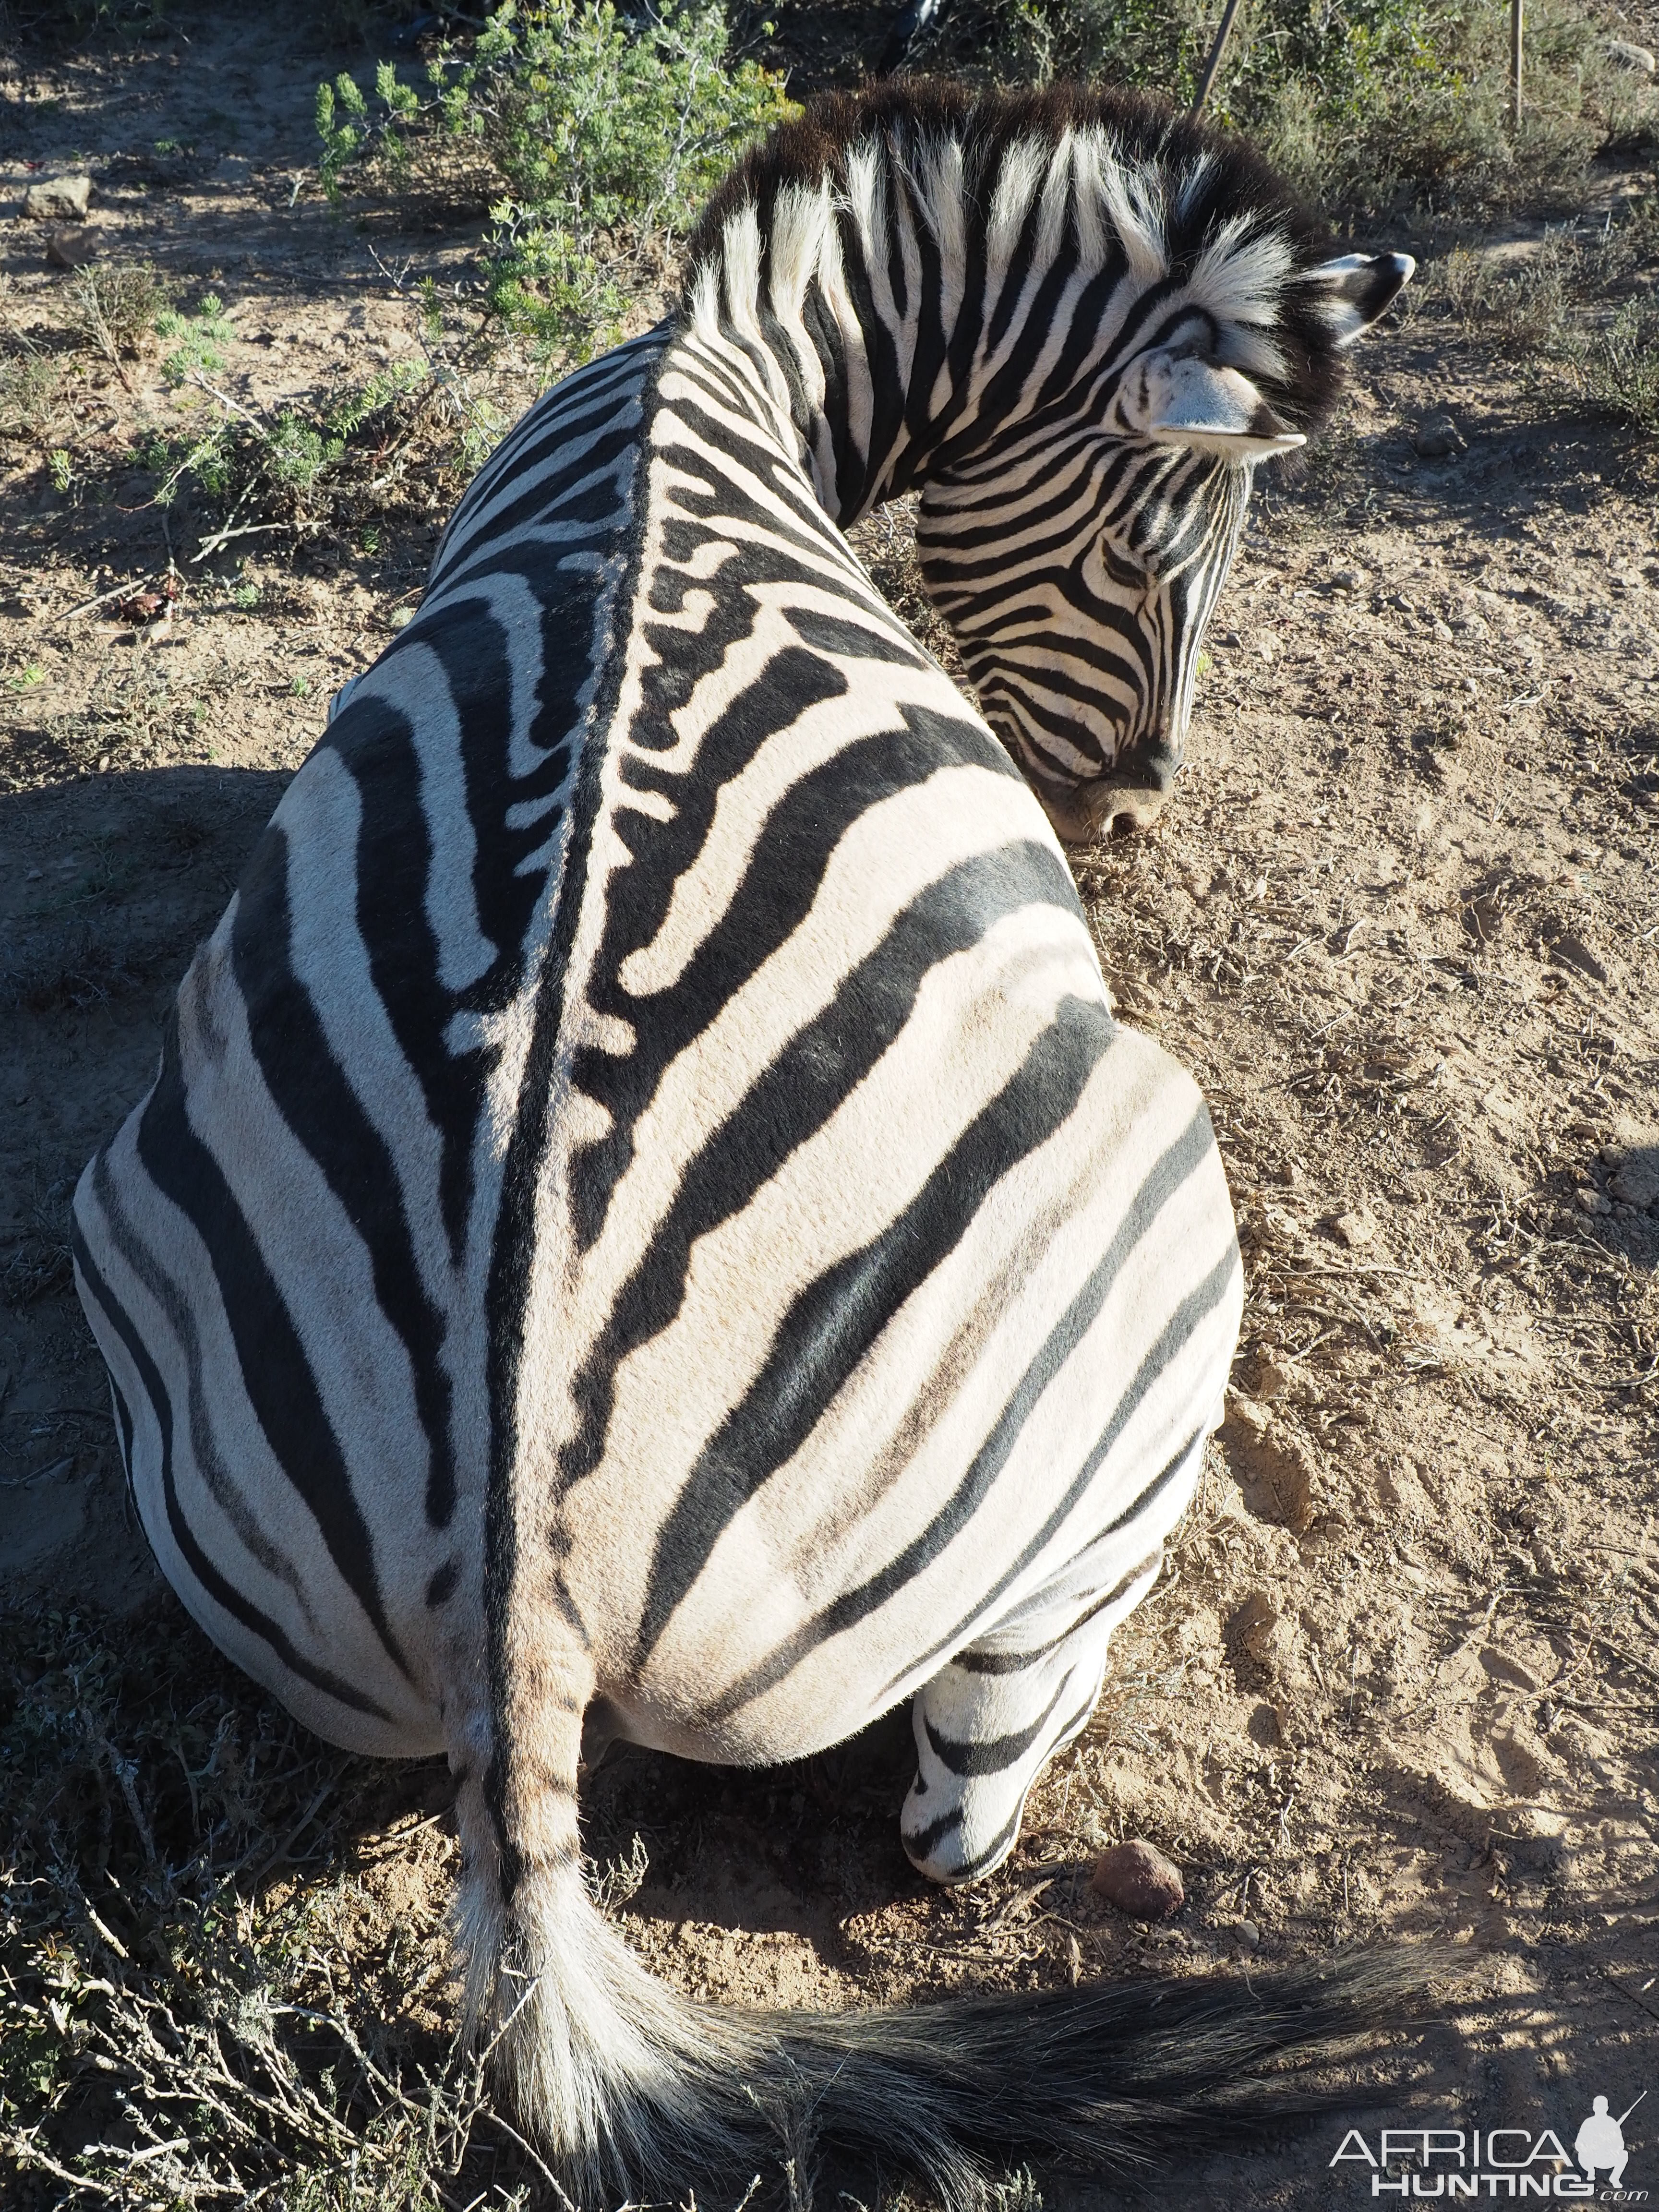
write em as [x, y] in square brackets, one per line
[649, 1133]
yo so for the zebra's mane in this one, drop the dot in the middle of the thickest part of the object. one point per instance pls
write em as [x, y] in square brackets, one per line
[1181, 200]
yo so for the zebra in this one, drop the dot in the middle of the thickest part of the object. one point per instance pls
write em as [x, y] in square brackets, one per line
[645, 1224]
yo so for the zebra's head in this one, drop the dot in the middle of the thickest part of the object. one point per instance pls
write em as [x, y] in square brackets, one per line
[1077, 323]
[1079, 560]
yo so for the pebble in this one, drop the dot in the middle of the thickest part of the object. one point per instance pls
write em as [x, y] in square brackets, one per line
[1572, 951]
[1436, 438]
[68, 249]
[1232, 637]
[58, 199]
[1139, 1880]
[1638, 1181]
[1353, 1229]
[1348, 580]
[1247, 1936]
[1593, 1201]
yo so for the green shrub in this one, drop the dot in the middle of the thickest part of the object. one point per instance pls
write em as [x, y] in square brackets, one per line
[1366, 103]
[199, 337]
[600, 136]
[1616, 371]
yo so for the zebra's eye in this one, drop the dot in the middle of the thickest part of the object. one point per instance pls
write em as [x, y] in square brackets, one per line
[1122, 570]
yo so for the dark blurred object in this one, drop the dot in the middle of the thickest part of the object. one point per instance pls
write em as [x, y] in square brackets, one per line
[914, 17]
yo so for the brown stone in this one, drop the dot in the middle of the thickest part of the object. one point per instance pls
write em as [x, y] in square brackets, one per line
[58, 199]
[1139, 1880]
[68, 249]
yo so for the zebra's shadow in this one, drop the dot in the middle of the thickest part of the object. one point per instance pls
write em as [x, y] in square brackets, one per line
[107, 882]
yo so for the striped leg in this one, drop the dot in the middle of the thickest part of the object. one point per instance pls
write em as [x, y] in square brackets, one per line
[989, 1722]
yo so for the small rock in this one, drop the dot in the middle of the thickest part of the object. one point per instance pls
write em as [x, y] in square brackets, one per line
[1641, 59]
[1255, 1627]
[1592, 1201]
[1272, 1380]
[58, 199]
[1267, 646]
[1289, 1174]
[1353, 1229]
[68, 249]
[1438, 438]
[1232, 637]
[1636, 1184]
[1247, 1936]
[1348, 580]
[1139, 1880]
[1572, 952]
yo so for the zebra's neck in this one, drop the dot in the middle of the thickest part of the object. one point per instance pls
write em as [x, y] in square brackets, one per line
[932, 295]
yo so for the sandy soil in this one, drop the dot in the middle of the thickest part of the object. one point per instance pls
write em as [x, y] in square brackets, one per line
[1400, 1677]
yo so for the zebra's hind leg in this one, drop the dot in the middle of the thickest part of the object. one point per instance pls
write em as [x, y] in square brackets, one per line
[987, 1723]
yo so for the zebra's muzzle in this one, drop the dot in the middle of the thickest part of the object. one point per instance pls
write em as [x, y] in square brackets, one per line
[1090, 812]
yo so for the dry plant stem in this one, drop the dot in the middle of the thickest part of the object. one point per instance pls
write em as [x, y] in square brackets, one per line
[1206, 82]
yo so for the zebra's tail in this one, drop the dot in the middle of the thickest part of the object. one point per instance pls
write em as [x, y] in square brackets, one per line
[628, 2086]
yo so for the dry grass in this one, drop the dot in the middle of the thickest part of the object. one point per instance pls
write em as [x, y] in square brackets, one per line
[180, 1859]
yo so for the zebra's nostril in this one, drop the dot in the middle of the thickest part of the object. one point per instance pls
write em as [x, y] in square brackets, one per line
[1118, 812]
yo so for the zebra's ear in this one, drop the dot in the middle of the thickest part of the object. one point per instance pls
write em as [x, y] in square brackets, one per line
[1182, 400]
[1357, 289]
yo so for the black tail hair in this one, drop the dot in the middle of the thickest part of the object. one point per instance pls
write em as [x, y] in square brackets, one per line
[628, 2085]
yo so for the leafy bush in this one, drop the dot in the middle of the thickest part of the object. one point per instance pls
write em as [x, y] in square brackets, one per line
[601, 135]
[310, 466]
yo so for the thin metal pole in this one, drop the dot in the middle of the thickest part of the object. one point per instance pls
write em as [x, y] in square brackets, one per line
[1517, 31]
[1208, 80]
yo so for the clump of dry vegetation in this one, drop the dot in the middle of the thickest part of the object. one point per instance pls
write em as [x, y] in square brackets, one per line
[171, 2030]
[1578, 306]
[1368, 104]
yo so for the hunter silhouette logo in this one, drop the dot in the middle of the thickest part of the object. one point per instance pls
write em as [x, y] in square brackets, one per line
[1498, 2162]
[1601, 2142]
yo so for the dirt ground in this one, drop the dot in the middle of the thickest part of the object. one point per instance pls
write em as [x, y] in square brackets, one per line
[1400, 1677]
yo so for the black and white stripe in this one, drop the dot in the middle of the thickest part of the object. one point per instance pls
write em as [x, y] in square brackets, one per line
[1076, 325]
[646, 1219]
